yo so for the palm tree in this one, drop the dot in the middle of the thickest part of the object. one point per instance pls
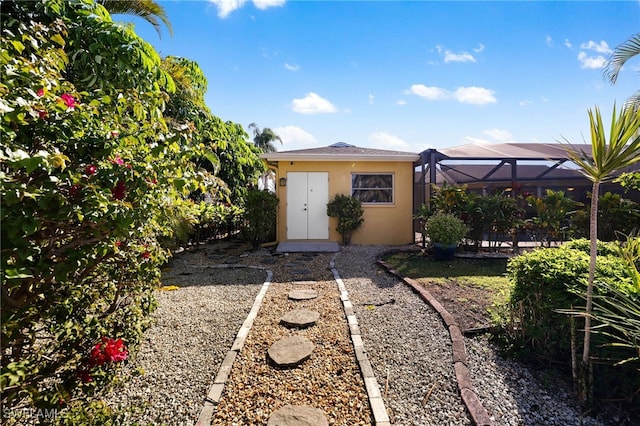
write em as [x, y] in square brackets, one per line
[620, 55]
[622, 150]
[149, 10]
[264, 138]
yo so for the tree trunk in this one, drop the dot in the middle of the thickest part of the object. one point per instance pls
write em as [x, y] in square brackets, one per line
[585, 390]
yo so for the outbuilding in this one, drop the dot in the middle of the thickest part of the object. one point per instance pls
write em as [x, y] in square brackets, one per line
[308, 179]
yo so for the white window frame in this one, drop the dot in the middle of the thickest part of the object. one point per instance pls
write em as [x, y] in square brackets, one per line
[375, 203]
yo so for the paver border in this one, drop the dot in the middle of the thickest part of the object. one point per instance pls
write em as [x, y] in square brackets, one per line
[479, 414]
[380, 415]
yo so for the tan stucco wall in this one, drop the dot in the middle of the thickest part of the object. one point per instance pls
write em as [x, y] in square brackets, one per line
[383, 224]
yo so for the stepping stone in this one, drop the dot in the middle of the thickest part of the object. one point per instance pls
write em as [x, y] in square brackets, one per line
[303, 294]
[303, 282]
[300, 318]
[291, 351]
[298, 415]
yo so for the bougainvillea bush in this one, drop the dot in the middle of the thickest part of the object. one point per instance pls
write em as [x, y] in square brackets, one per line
[90, 172]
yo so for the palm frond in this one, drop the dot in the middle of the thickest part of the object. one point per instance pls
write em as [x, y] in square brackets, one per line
[149, 10]
[620, 55]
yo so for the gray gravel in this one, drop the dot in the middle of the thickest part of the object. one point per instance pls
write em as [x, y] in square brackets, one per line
[405, 340]
[180, 354]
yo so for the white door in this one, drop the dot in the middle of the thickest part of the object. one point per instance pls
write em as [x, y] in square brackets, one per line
[307, 198]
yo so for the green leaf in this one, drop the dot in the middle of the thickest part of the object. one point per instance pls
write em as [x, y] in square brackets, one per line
[57, 38]
[12, 273]
[17, 45]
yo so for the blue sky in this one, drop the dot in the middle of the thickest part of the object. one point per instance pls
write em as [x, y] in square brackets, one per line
[405, 75]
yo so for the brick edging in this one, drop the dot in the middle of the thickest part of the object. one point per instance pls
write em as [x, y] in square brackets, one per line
[478, 413]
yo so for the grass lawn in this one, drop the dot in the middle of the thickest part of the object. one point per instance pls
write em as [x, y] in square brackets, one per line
[466, 286]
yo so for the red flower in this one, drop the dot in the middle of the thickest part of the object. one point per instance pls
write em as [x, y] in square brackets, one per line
[115, 133]
[91, 169]
[74, 190]
[97, 356]
[118, 243]
[42, 114]
[85, 376]
[115, 351]
[40, 92]
[119, 191]
[146, 255]
[68, 100]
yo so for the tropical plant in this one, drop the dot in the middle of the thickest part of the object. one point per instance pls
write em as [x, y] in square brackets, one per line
[620, 55]
[264, 138]
[608, 154]
[552, 213]
[445, 228]
[149, 10]
[349, 212]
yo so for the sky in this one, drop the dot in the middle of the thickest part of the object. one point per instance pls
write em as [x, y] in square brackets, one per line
[405, 75]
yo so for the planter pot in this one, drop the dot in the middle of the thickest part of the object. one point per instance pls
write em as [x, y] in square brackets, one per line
[444, 251]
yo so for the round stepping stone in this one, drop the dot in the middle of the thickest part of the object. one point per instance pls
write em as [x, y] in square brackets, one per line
[290, 351]
[303, 294]
[298, 415]
[300, 318]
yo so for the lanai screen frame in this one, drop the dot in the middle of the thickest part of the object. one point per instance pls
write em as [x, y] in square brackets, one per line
[504, 153]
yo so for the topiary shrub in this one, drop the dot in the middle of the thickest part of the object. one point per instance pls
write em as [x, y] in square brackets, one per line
[349, 212]
[445, 228]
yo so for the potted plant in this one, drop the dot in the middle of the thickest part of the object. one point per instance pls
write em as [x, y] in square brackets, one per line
[445, 231]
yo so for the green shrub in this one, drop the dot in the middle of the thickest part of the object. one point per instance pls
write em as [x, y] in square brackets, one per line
[549, 280]
[261, 208]
[89, 171]
[349, 212]
[445, 228]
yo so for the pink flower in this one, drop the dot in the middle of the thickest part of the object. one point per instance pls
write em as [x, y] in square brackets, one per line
[40, 92]
[115, 133]
[119, 191]
[69, 100]
[91, 169]
[119, 161]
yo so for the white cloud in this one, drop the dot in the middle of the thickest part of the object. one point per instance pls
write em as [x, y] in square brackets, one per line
[293, 137]
[591, 62]
[225, 7]
[401, 102]
[371, 98]
[567, 43]
[294, 67]
[479, 49]
[499, 135]
[465, 95]
[449, 56]
[475, 95]
[312, 104]
[525, 102]
[549, 41]
[601, 47]
[384, 140]
[264, 4]
[430, 93]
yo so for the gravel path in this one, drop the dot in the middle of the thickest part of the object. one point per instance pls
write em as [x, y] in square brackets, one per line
[405, 340]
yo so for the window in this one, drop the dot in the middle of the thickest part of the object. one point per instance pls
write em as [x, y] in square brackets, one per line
[372, 188]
